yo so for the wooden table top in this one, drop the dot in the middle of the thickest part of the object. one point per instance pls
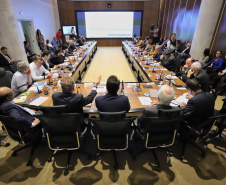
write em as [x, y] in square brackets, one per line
[85, 89]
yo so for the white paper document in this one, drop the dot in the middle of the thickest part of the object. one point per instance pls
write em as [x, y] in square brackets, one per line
[88, 84]
[181, 99]
[39, 101]
[101, 88]
[181, 88]
[145, 100]
[131, 84]
[153, 92]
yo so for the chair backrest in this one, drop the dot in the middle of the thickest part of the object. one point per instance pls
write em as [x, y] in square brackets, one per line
[13, 128]
[62, 130]
[161, 131]
[52, 109]
[112, 116]
[205, 126]
[112, 135]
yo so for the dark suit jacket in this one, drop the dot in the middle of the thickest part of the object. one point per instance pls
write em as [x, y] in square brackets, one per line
[152, 112]
[169, 63]
[55, 59]
[157, 56]
[21, 115]
[80, 43]
[5, 63]
[71, 48]
[203, 80]
[109, 103]
[74, 102]
[199, 108]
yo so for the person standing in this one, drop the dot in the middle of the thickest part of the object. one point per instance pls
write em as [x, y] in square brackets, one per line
[59, 37]
[40, 39]
[156, 34]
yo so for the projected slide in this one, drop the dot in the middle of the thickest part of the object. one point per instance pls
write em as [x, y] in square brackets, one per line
[111, 24]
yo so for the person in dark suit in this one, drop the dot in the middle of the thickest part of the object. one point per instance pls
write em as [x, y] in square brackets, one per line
[79, 41]
[66, 52]
[57, 58]
[73, 101]
[201, 76]
[168, 60]
[200, 105]
[28, 51]
[72, 47]
[23, 116]
[46, 63]
[5, 60]
[112, 102]
[165, 96]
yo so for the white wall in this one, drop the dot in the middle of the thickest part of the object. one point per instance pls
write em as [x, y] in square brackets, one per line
[44, 14]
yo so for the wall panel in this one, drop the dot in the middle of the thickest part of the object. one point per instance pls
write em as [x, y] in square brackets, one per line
[150, 13]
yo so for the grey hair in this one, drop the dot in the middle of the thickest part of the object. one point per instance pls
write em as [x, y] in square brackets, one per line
[196, 66]
[166, 95]
[158, 47]
[22, 66]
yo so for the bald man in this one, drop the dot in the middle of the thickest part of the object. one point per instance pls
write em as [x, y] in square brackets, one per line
[165, 96]
[23, 116]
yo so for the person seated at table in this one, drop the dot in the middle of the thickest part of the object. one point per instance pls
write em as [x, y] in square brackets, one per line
[186, 73]
[112, 102]
[72, 47]
[145, 43]
[21, 79]
[49, 46]
[200, 105]
[79, 41]
[158, 49]
[22, 115]
[168, 60]
[152, 52]
[38, 72]
[200, 75]
[140, 42]
[66, 52]
[206, 56]
[54, 42]
[83, 39]
[57, 58]
[28, 51]
[215, 65]
[165, 96]
[5, 60]
[73, 101]
[45, 57]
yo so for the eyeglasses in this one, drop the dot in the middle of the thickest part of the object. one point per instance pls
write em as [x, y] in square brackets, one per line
[218, 53]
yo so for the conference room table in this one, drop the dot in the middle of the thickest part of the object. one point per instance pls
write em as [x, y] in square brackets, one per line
[129, 88]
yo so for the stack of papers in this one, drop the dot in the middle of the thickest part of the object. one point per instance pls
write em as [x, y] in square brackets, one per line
[39, 101]
[101, 88]
[19, 99]
[145, 100]
[40, 86]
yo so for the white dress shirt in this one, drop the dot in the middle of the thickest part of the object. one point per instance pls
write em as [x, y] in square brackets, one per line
[170, 46]
[36, 73]
[19, 82]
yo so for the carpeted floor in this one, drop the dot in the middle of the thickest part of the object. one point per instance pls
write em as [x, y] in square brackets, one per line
[109, 61]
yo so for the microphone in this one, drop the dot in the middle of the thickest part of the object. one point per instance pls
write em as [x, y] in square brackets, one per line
[39, 91]
[138, 88]
[122, 92]
[49, 83]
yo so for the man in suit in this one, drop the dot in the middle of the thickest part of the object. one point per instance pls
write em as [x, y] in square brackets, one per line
[201, 76]
[112, 102]
[168, 60]
[79, 41]
[200, 105]
[28, 51]
[45, 57]
[20, 114]
[57, 58]
[165, 96]
[73, 101]
[5, 60]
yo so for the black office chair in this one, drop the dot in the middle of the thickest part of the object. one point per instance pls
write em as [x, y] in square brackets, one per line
[62, 131]
[112, 135]
[15, 131]
[196, 135]
[160, 132]
[221, 125]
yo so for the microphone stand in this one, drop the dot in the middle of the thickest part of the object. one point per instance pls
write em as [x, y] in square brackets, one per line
[39, 91]
[122, 92]
[138, 88]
